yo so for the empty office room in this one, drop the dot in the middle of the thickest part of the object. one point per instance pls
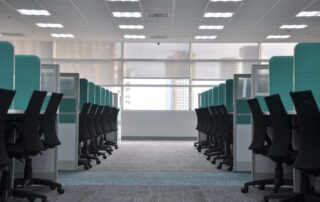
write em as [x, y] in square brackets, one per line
[159, 100]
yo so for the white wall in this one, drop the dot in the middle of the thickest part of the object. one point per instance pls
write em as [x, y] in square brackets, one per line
[158, 124]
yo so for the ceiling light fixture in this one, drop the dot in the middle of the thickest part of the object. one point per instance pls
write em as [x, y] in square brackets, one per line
[308, 14]
[134, 36]
[33, 12]
[211, 27]
[278, 36]
[49, 25]
[205, 37]
[218, 15]
[62, 35]
[126, 14]
[293, 26]
[226, 0]
[131, 26]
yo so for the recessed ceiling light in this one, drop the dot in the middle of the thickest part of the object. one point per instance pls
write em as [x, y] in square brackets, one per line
[124, 0]
[131, 26]
[134, 36]
[33, 12]
[62, 35]
[226, 0]
[211, 27]
[126, 14]
[293, 26]
[49, 25]
[205, 37]
[278, 36]
[308, 14]
[218, 15]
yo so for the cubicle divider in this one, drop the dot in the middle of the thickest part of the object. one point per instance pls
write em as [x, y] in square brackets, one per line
[242, 158]
[222, 94]
[216, 95]
[97, 95]
[84, 89]
[68, 122]
[91, 91]
[229, 95]
[7, 67]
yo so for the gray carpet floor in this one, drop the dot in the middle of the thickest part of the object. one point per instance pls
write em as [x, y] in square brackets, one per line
[153, 171]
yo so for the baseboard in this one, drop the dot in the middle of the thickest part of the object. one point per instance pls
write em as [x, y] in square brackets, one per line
[67, 166]
[158, 138]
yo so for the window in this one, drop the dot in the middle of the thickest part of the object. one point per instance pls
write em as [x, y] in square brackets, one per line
[269, 50]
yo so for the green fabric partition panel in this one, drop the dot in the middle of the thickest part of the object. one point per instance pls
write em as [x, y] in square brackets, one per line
[97, 94]
[216, 95]
[83, 92]
[210, 97]
[229, 95]
[281, 78]
[306, 68]
[103, 96]
[68, 110]
[91, 92]
[222, 94]
[6, 65]
[110, 98]
[27, 79]
[107, 97]
[206, 98]
[202, 99]
[243, 112]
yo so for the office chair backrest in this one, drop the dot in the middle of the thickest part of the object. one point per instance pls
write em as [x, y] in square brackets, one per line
[281, 127]
[83, 122]
[31, 123]
[228, 124]
[259, 127]
[105, 118]
[97, 120]
[309, 124]
[215, 123]
[49, 121]
[114, 118]
[198, 118]
[6, 97]
[90, 120]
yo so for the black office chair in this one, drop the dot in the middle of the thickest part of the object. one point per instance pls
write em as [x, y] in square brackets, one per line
[28, 142]
[307, 160]
[260, 141]
[281, 150]
[104, 123]
[101, 144]
[50, 141]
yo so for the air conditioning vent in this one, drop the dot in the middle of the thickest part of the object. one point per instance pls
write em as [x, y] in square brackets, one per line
[13, 34]
[158, 37]
[158, 15]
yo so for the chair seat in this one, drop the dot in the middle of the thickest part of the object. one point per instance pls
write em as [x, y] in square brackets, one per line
[261, 150]
[19, 151]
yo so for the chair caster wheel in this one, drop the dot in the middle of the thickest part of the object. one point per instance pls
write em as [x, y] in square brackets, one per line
[87, 167]
[199, 150]
[213, 162]
[116, 147]
[31, 198]
[104, 157]
[60, 190]
[52, 187]
[230, 168]
[244, 190]
[98, 161]
[219, 167]
[208, 158]
[44, 200]
[261, 187]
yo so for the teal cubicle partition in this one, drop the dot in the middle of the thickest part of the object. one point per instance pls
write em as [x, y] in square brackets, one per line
[205, 99]
[6, 65]
[216, 95]
[84, 89]
[27, 79]
[281, 78]
[97, 94]
[110, 98]
[229, 95]
[91, 92]
[210, 97]
[222, 94]
[306, 68]
[103, 96]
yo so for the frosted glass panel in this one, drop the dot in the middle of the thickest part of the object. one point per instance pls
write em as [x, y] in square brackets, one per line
[207, 83]
[262, 81]
[155, 81]
[154, 51]
[67, 86]
[219, 70]
[269, 50]
[224, 51]
[156, 98]
[49, 80]
[87, 50]
[43, 49]
[195, 92]
[244, 88]
[101, 73]
[166, 69]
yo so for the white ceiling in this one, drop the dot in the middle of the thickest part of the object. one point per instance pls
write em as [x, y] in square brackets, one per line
[92, 19]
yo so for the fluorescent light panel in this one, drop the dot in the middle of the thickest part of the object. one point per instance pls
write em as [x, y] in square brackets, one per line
[62, 35]
[218, 15]
[211, 27]
[308, 14]
[293, 26]
[33, 12]
[226, 0]
[278, 36]
[131, 26]
[49, 25]
[205, 37]
[126, 14]
[134, 36]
